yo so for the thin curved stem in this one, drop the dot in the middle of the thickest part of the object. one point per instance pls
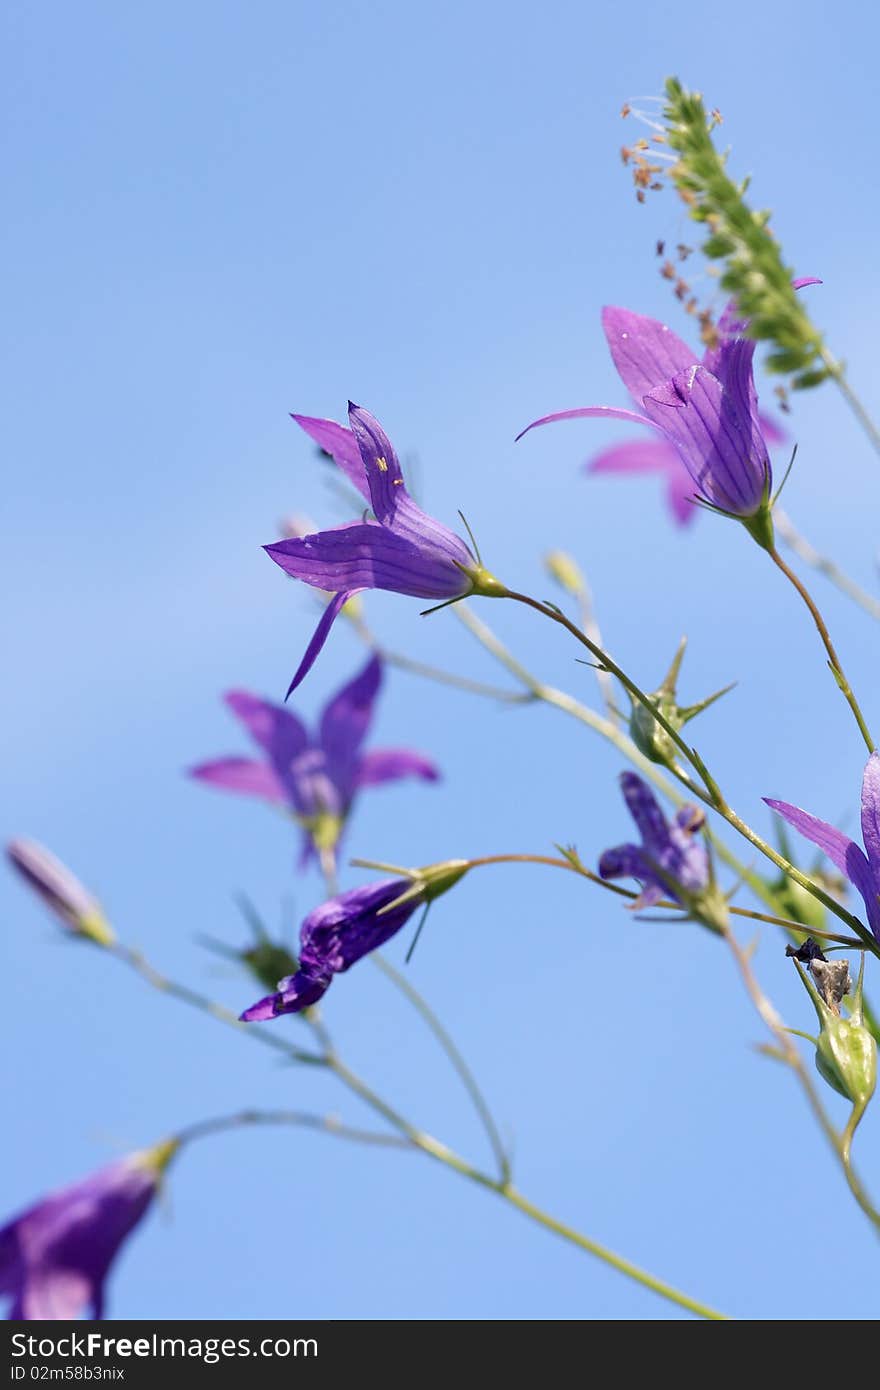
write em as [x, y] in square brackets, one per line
[326, 1124]
[817, 561]
[157, 980]
[833, 659]
[838, 374]
[840, 1143]
[434, 1149]
[460, 1066]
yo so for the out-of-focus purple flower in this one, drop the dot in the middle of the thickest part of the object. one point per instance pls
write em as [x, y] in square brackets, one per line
[709, 437]
[315, 775]
[399, 547]
[670, 862]
[60, 890]
[333, 937]
[861, 868]
[55, 1257]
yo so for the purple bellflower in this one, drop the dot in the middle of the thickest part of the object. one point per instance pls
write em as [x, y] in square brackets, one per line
[861, 868]
[333, 937]
[60, 890]
[55, 1257]
[399, 547]
[709, 441]
[315, 776]
[670, 862]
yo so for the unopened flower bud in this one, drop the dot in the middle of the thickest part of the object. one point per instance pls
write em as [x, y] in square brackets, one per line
[647, 734]
[61, 891]
[566, 571]
[846, 1050]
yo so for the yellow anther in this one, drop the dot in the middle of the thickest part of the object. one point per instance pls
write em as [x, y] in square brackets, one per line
[382, 465]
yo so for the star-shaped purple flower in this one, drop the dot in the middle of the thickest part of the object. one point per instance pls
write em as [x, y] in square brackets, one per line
[333, 937]
[673, 850]
[710, 442]
[399, 547]
[55, 1257]
[315, 776]
[861, 868]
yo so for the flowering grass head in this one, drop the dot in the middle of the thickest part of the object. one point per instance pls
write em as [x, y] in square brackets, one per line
[860, 866]
[399, 547]
[315, 775]
[55, 1257]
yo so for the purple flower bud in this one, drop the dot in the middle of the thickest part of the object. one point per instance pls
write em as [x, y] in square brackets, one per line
[55, 1257]
[62, 893]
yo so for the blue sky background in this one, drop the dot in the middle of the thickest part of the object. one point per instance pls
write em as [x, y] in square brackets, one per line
[219, 213]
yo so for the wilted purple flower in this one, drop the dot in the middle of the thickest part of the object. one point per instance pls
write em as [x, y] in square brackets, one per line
[316, 776]
[704, 413]
[54, 1257]
[673, 850]
[862, 870]
[333, 937]
[60, 890]
[399, 548]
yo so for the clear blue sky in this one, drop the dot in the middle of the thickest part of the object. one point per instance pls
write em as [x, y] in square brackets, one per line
[218, 213]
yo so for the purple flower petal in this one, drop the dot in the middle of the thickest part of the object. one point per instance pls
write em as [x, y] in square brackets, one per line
[242, 775]
[585, 412]
[646, 352]
[295, 993]
[341, 931]
[645, 810]
[392, 504]
[277, 731]
[320, 635]
[843, 852]
[628, 861]
[344, 724]
[382, 765]
[638, 456]
[871, 815]
[341, 444]
[714, 441]
[364, 555]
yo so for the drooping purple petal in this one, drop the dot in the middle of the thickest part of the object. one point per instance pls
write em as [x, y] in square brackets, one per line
[277, 731]
[843, 852]
[680, 495]
[382, 765]
[611, 412]
[646, 352]
[242, 775]
[364, 555]
[295, 993]
[344, 724]
[319, 636]
[871, 815]
[629, 861]
[714, 441]
[343, 930]
[341, 444]
[392, 504]
[636, 456]
[645, 810]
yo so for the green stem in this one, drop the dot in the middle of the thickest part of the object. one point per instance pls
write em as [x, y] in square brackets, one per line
[326, 1124]
[817, 561]
[459, 1065]
[161, 982]
[833, 659]
[838, 374]
[434, 1149]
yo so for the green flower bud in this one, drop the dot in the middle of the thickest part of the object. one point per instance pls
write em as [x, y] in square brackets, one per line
[846, 1051]
[561, 567]
[651, 738]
